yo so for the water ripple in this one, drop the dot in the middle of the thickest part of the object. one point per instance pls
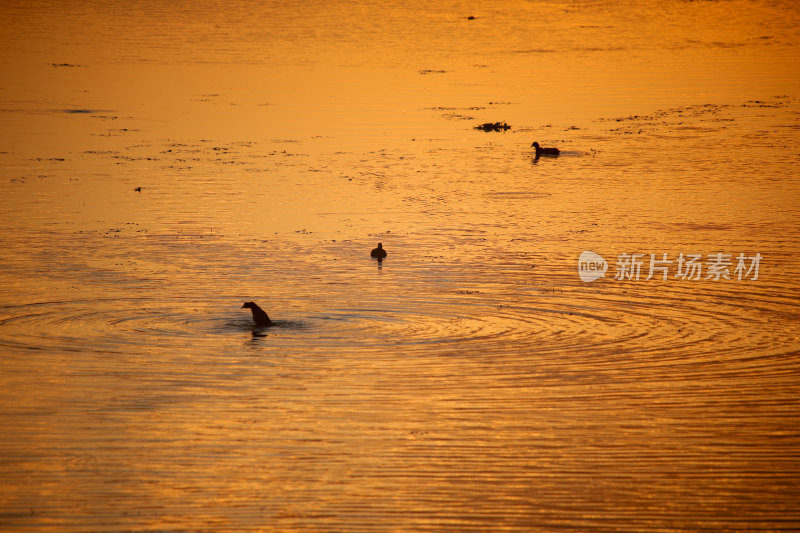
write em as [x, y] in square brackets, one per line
[679, 324]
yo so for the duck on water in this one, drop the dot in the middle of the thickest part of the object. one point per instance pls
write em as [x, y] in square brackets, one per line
[544, 151]
[378, 252]
[259, 316]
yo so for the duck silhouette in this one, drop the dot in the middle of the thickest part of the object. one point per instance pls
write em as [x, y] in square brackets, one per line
[378, 252]
[544, 151]
[259, 316]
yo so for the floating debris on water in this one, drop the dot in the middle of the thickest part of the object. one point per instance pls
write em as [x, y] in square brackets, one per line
[457, 116]
[493, 126]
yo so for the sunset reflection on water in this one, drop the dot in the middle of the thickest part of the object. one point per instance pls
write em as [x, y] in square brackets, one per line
[161, 165]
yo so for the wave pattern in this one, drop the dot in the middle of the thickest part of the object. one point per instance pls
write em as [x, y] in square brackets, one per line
[569, 317]
[470, 382]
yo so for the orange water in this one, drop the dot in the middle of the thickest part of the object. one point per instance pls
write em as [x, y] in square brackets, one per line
[471, 381]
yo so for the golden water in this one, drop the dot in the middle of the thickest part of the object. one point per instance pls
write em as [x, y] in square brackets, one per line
[471, 381]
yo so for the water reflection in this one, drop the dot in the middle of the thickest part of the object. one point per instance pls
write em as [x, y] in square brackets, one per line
[163, 164]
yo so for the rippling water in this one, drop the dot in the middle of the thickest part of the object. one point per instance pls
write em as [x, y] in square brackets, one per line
[160, 166]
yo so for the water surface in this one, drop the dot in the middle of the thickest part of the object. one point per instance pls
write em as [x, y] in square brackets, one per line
[160, 166]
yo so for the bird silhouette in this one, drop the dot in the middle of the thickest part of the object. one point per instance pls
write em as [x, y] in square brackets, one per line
[378, 252]
[259, 316]
[544, 151]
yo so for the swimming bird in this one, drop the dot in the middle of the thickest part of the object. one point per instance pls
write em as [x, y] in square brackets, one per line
[544, 151]
[378, 252]
[259, 316]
